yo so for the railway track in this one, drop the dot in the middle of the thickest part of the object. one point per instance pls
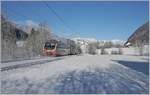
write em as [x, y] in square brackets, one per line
[27, 64]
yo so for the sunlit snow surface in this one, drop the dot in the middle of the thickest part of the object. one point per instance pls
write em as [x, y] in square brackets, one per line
[81, 74]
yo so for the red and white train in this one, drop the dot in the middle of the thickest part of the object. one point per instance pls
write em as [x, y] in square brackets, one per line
[58, 48]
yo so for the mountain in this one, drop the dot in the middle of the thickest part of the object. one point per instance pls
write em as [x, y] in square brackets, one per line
[10, 34]
[85, 39]
[20, 34]
[10, 31]
[117, 41]
[141, 35]
[89, 40]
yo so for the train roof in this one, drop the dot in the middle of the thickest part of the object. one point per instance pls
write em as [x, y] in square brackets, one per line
[52, 41]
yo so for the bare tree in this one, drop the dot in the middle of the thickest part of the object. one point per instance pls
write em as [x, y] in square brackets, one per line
[8, 38]
[103, 51]
[37, 39]
[120, 51]
[140, 47]
[108, 44]
[92, 48]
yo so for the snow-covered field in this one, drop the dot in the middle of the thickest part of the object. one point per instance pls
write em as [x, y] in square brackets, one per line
[127, 50]
[81, 74]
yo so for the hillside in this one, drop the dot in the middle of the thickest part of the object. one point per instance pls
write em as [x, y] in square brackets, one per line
[10, 34]
[141, 35]
[9, 29]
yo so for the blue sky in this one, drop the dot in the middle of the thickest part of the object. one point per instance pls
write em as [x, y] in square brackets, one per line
[100, 20]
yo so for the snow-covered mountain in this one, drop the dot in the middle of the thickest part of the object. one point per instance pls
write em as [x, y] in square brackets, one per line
[88, 40]
[140, 36]
[84, 39]
[117, 41]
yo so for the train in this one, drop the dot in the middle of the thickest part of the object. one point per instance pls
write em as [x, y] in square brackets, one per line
[58, 48]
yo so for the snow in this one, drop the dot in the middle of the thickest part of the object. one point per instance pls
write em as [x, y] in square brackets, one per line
[35, 59]
[84, 42]
[126, 50]
[80, 74]
[128, 44]
[27, 25]
[117, 41]
[88, 40]
[84, 39]
[20, 43]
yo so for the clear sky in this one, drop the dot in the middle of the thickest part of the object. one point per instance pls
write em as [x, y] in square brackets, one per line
[100, 20]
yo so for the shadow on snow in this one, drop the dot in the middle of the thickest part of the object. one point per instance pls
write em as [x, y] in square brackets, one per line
[138, 66]
[114, 80]
[99, 82]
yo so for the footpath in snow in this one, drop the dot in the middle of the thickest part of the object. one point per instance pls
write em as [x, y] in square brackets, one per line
[81, 74]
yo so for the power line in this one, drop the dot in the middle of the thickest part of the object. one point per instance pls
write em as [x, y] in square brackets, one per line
[57, 15]
[51, 9]
[18, 14]
[15, 13]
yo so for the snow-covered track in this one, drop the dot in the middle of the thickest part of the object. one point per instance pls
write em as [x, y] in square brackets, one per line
[22, 64]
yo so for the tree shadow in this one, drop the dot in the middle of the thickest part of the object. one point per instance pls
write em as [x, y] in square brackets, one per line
[93, 81]
[98, 82]
[138, 66]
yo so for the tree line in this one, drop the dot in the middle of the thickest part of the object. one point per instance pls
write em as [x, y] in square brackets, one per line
[33, 40]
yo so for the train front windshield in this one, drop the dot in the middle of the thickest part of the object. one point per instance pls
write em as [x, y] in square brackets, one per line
[49, 45]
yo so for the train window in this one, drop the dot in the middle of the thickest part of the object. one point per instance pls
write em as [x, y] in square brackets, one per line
[49, 45]
[52, 46]
[61, 45]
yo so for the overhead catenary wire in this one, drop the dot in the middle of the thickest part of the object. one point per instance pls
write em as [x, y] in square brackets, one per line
[53, 11]
[18, 14]
[58, 16]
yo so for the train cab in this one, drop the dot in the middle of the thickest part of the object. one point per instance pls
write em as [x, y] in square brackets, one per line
[58, 48]
[50, 48]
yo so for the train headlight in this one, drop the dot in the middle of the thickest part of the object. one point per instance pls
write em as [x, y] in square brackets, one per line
[48, 50]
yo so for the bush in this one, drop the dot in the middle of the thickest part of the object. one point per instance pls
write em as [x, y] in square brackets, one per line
[120, 51]
[37, 39]
[114, 52]
[103, 51]
[92, 48]
[117, 52]
[78, 51]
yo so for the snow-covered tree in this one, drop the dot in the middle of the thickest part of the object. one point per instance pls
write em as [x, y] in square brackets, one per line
[103, 51]
[37, 39]
[120, 51]
[108, 44]
[92, 48]
[8, 38]
[140, 47]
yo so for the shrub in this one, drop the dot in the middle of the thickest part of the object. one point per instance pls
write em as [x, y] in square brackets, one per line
[117, 52]
[103, 51]
[92, 48]
[114, 52]
[120, 51]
